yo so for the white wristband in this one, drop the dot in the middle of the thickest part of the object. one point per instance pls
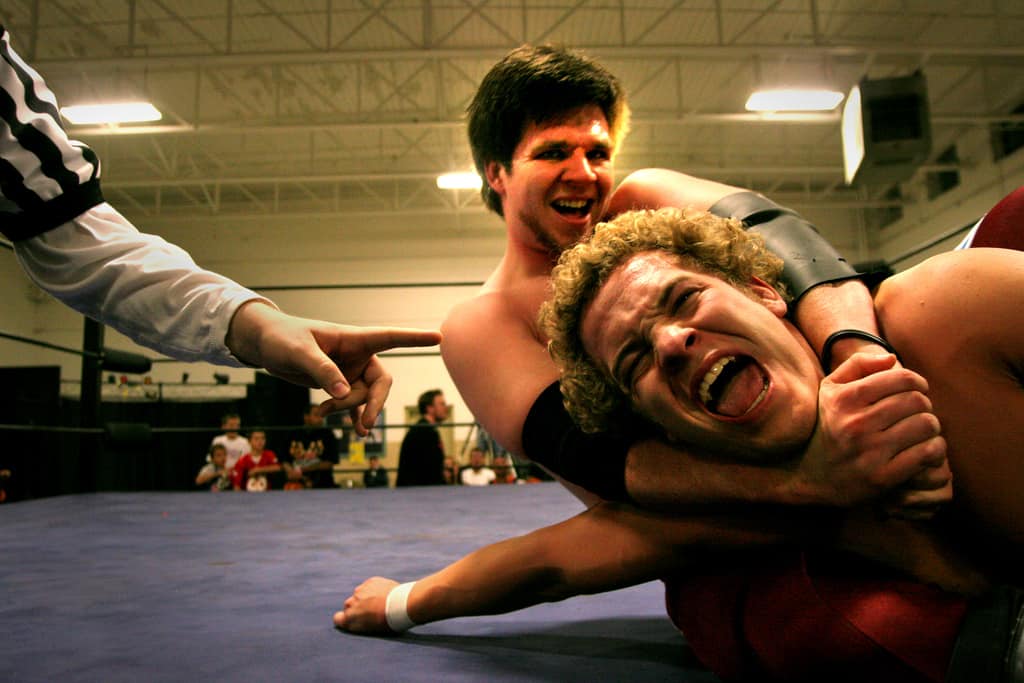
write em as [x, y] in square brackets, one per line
[395, 611]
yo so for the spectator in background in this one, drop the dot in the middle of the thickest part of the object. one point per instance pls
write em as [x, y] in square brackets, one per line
[215, 474]
[421, 459]
[312, 454]
[292, 464]
[375, 476]
[451, 470]
[486, 443]
[5, 484]
[235, 445]
[477, 473]
[504, 472]
[251, 470]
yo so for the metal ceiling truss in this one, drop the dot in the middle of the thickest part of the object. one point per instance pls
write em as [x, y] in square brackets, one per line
[276, 107]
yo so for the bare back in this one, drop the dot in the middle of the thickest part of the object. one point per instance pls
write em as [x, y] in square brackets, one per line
[957, 320]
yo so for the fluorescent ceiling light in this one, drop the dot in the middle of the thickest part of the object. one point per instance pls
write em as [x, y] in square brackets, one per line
[794, 100]
[113, 112]
[459, 181]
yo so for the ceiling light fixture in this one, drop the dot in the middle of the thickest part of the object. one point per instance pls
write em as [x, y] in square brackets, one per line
[112, 112]
[459, 181]
[794, 100]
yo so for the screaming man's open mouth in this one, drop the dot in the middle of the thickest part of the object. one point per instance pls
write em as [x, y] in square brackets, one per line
[573, 207]
[733, 387]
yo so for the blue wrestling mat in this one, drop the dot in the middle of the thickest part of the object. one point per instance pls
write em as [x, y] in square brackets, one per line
[242, 586]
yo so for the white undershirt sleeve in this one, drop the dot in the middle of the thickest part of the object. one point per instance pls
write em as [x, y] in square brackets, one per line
[146, 288]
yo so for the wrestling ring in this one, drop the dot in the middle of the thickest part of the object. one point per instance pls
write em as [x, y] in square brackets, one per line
[241, 587]
[174, 585]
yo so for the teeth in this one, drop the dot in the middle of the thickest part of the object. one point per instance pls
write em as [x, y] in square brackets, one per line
[572, 203]
[709, 379]
[760, 397]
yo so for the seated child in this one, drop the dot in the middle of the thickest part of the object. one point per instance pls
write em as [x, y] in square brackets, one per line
[234, 443]
[251, 470]
[214, 474]
[504, 472]
[304, 464]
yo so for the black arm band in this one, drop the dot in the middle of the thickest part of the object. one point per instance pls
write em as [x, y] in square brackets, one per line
[597, 462]
[809, 259]
[826, 350]
[35, 218]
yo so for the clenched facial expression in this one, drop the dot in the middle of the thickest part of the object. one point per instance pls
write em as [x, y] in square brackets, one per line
[715, 366]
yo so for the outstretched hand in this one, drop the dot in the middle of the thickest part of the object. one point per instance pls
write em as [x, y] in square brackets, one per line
[337, 358]
[876, 432]
[364, 609]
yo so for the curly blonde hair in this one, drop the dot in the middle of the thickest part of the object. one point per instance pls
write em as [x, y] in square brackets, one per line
[718, 246]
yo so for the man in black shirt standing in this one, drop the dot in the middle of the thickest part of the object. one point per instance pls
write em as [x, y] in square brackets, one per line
[421, 460]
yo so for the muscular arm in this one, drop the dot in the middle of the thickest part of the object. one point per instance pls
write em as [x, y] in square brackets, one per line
[612, 546]
[497, 359]
[837, 306]
[607, 547]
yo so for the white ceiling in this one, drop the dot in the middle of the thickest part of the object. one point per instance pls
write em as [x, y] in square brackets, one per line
[285, 110]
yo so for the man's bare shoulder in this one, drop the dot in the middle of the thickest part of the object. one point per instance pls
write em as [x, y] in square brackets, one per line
[968, 273]
[497, 308]
[980, 289]
[483, 311]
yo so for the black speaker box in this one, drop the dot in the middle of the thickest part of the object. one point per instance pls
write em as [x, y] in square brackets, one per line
[886, 130]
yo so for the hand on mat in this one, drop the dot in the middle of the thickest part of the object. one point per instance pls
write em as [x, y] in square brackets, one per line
[876, 432]
[337, 358]
[364, 609]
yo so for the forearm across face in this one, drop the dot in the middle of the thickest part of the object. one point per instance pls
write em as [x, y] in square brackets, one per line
[667, 477]
[652, 473]
[875, 432]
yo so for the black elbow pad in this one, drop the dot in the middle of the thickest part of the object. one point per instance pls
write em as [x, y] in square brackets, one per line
[809, 259]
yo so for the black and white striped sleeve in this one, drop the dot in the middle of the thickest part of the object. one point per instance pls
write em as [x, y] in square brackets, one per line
[81, 250]
[46, 179]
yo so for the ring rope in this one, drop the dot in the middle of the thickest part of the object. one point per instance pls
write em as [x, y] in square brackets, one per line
[365, 285]
[36, 342]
